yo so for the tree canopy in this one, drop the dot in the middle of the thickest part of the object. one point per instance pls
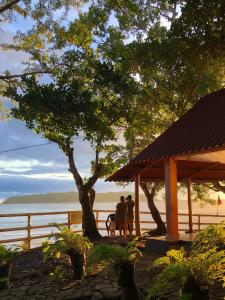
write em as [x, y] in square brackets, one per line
[173, 51]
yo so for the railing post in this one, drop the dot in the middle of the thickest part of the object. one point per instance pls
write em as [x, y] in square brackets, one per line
[28, 231]
[199, 222]
[97, 218]
[69, 219]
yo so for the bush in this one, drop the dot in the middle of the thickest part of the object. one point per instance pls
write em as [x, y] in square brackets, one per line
[7, 254]
[199, 271]
[74, 245]
[65, 241]
[212, 236]
[115, 255]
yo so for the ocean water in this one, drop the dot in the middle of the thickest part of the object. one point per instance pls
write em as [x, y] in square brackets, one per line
[8, 222]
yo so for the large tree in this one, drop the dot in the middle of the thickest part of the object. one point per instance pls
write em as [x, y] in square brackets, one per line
[174, 50]
[86, 98]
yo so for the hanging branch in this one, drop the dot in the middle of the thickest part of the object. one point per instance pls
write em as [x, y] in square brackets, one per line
[8, 5]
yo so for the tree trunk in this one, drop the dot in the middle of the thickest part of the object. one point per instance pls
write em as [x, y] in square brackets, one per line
[89, 224]
[92, 197]
[161, 228]
[86, 196]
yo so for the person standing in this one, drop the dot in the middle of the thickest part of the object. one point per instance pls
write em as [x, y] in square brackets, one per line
[130, 214]
[121, 208]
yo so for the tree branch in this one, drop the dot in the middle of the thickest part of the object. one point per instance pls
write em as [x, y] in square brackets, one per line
[8, 5]
[73, 169]
[7, 77]
[97, 172]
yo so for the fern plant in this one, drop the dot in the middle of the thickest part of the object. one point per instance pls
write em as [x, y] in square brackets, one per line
[122, 260]
[114, 255]
[212, 236]
[7, 254]
[194, 274]
[67, 242]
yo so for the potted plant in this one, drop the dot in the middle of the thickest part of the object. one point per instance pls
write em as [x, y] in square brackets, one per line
[122, 259]
[67, 242]
[6, 256]
[193, 275]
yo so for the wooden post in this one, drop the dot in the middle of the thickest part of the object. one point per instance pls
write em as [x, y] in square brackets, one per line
[189, 206]
[69, 219]
[171, 198]
[97, 218]
[199, 222]
[28, 231]
[137, 200]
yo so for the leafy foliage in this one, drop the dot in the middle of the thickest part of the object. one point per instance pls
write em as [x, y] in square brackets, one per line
[39, 11]
[212, 236]
[7, 254]
[65, 241]
[115, 255]
[202, 268]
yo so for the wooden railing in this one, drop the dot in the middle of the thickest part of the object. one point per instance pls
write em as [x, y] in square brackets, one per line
[199, 222]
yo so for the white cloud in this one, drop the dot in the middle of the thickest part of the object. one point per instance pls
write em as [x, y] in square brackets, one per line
[40, 176]
[18, 166]
[50, 176]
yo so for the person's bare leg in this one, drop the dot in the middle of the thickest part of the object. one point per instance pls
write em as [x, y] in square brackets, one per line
[131, 228]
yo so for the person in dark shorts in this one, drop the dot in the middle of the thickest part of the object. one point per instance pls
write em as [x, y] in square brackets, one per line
[121, 208]
[130, 214]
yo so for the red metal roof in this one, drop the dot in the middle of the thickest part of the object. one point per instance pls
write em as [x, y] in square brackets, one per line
[200, 130]
[197, 171]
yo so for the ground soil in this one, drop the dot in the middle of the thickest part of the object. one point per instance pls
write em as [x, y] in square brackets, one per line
[30, 279]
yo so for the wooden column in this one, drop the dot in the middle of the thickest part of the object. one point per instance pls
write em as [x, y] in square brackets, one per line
[170, 166]
[28, 231]
[189, 206]
[137, 200]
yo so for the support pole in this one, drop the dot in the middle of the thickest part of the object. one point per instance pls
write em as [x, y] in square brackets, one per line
[189, 206]
[170, 166]
[137, 200]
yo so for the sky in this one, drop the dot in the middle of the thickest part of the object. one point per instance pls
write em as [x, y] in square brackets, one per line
[40, 169]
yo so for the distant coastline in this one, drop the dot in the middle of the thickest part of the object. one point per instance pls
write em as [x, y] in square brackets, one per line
[65, 197]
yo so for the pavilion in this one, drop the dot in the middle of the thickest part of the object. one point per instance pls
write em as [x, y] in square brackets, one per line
[192, 149]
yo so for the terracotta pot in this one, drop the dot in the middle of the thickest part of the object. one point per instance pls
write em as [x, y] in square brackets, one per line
[126, 281]
[78, 264]
[5, 272]
[192, 288]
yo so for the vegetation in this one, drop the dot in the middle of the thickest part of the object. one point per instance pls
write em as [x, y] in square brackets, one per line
[197, 272]
[85, 100]
[65, 197]
[122, 259]
[67, 242]
[146, 63]
[212, 236]
[6, 256]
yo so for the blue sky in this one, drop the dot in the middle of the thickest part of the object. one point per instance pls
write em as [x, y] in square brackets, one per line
[42, 169]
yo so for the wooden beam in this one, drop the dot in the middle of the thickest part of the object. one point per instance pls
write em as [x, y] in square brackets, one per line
[137, 209]
[170, 166]
[200, 171]
[189, 206]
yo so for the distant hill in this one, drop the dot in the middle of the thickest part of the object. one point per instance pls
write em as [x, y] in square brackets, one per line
[66, 197]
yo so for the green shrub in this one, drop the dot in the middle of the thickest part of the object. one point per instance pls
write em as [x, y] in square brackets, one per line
[65, 241]
[212, 236]
[7, 254]
[115, 255]
[202, 269]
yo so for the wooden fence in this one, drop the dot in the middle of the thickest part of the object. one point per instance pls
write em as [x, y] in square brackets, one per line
[75, 218]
